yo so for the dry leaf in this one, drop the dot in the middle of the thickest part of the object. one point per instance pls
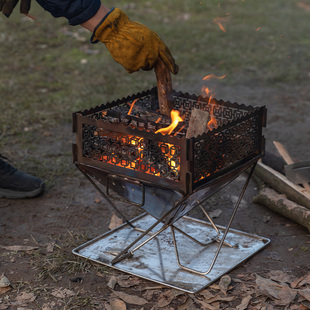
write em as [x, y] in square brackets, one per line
[268, 287]
[244, 303]
[128, 281]
[130, 299]
[224, 283]
[282, 294]
[3, 290]
[50, 247]
[62, 293]
[4, 281]
[280, 276]
[117, 304]
[305, 293]
[24, 298]
[115, 222]
[112, 282]
[189, 304]
[17, 248]
[166, 297]
[304, 280]
[205, 304]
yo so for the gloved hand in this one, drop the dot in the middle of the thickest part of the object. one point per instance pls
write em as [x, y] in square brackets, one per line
[7, 6]
[132, 44]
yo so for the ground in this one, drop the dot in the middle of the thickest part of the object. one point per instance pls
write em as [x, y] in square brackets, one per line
[71, 212]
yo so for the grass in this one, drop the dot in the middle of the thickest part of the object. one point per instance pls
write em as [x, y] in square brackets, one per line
[49, 69]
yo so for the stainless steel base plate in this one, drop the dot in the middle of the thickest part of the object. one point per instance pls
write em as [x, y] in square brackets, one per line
[156, 260]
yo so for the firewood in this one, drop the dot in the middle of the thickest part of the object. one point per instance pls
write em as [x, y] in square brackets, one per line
[281, 184]
[164, 88]
[198, 123]
[280, 204]
[289, 161]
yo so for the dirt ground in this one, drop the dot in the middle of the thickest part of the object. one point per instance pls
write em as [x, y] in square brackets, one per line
[44, 274]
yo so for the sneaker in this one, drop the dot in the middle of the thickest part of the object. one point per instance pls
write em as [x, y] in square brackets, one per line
[18, 184]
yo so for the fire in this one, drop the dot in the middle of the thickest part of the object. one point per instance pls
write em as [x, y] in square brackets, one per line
[212, 76]
[213, 122]
[175, 119]
[129, 112]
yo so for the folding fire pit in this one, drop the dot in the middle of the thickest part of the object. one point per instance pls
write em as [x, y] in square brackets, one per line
[120, 151]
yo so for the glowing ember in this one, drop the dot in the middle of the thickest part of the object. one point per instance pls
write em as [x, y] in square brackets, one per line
[129, 112]
[212, 76]
[175, 119]
[216, 20]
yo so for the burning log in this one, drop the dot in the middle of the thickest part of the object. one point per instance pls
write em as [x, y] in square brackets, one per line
[198, 123]
[164, 88]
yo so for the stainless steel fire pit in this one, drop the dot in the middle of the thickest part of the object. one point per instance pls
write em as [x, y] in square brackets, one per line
[120, 153]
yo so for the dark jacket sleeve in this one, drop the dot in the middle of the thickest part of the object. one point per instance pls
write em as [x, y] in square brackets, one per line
[76, 11]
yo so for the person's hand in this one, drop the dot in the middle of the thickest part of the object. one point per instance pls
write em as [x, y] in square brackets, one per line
[7, 6]
[132, 44]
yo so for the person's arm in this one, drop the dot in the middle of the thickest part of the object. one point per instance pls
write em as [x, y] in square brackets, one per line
[96, 19]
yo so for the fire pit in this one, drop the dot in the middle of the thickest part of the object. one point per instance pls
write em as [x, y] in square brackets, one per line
[133, 151]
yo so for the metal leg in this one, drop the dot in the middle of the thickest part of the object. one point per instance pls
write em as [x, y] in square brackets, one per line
[222, 240]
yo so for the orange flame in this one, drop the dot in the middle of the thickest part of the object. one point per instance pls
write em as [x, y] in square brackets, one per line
[129, 112]
[175, 119]
[212, 76]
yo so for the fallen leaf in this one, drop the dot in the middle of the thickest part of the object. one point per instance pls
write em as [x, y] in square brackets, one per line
[130, 299]
[115, 222]
[128, 281]
[304, 280]
[268, 287]
[189, 304]
[50, 247]
[282, 294]
[280, 276]
[62, 293]
[117, 304]
[112, 282]
[205, 304]
[166, 297]
[244, 303]
[17, 248]
[3, 290]
[4, 281]
[224, 284]
[305, 293]
[24, 298]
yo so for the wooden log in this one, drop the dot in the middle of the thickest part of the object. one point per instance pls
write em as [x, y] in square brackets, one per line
[280, 204]
[281, 184]
[164, 88]
[198, 123]
[287, 158]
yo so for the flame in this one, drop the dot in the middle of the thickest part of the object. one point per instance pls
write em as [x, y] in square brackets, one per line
[175, 119]
[212, 76]
[212, 122]
[217, 21]
[258, 28]
[129, 112]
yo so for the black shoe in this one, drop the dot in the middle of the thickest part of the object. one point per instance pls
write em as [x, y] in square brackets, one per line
[18, 184]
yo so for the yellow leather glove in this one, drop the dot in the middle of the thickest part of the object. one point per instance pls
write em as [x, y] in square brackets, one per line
[7, 6]
[132, 44]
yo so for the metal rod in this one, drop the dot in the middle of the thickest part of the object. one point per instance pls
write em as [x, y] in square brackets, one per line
[123, 254]
[224, 235]
[106, 198]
